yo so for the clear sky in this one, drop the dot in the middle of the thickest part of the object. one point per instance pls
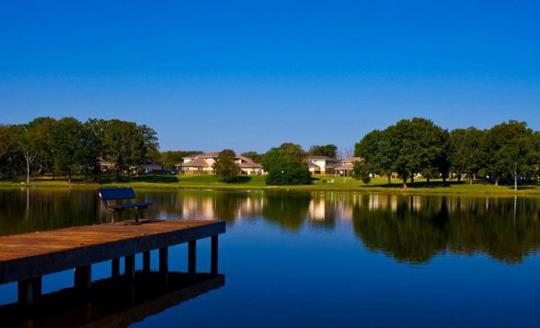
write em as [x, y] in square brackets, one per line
[253, 74]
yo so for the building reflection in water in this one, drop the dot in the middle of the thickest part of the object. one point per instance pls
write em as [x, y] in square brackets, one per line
[410, 228]
[112, 302]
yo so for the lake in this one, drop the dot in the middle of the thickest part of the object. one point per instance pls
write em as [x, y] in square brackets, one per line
[329, 258]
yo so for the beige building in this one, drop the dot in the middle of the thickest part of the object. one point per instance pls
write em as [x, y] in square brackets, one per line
[346, 166]
[321, 164]
[204, 164]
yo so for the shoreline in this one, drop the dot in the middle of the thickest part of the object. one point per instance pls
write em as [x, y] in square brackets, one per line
[453, 189]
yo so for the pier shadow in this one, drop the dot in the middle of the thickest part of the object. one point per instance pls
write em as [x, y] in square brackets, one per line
[112, 302]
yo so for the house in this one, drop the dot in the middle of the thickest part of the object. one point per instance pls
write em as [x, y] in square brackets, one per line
[150, 166]
[321, 164]
[346, 166]
[204, 164]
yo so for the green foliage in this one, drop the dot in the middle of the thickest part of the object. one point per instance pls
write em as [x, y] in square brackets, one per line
[286, 165]
[323, 150]
[378, 153]
[254, 156]
[465, 152]
[409, 147]
[125, 143]
[225, 167]
[511, 152]
[361, 172]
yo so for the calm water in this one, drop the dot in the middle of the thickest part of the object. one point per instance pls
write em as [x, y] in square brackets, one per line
[330, 258]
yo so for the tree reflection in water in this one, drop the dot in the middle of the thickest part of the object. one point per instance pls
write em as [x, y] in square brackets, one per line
[409, 228]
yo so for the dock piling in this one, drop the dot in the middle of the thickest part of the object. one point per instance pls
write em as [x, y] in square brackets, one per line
[192, 256]
[83, 277]
[146, 261]
[29, 291]
[129, 267]
[115, 267]
[214, 254]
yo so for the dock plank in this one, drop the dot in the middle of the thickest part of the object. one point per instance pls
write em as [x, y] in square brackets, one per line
[30, 255]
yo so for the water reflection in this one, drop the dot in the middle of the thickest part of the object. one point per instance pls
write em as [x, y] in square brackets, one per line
[112, 303]
[409, 228]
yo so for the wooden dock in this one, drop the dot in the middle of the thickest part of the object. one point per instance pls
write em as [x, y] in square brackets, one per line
[25, 258]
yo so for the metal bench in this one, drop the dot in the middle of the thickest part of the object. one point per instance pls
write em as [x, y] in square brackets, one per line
[117, 195]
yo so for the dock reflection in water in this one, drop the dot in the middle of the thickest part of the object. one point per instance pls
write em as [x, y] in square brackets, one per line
[113, 302]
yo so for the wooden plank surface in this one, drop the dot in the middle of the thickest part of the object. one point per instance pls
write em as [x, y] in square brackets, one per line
[32, 254]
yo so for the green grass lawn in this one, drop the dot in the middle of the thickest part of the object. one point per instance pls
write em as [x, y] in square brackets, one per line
[320, 183]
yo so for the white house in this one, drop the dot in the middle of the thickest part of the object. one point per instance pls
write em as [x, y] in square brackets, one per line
[321, 164]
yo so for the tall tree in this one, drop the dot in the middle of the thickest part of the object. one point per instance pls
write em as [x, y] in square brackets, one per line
[323, 150]
[70, 146]
[420, 148]
[511, 152]
[466, 153]
[378, 153]
[225, 167]
[286, 165]
[126, 144]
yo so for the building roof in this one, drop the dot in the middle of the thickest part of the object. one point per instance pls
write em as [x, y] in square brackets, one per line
[313, 165]
[197, 162]
[321, 158]
[345, 166]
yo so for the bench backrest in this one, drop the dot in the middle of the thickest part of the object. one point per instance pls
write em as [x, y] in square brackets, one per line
[116, 193]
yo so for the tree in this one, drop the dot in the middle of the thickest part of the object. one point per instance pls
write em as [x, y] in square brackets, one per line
[511, 153]
[361, 172]
[286, 165]
[254, 156]
[323, 150]
[465, 152]
[225, 167]
[34, 141]
[11, 159]
[420, 148]
[378, 153]
[72, 147]
[126, 144]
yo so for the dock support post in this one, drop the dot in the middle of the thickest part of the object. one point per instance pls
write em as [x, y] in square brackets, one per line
[83, 278]
[164, 264]
[146, 261]
[192, 256]
[115, 267]
[130, 267]
[29, 291]
[214, 255]
[164, 260]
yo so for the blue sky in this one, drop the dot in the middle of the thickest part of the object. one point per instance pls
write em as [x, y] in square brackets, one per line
[253, 74]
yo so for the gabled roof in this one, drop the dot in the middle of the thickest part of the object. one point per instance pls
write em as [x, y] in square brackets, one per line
[321, 158]
[198, 162]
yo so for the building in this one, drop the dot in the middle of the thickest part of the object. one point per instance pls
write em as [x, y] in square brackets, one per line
[204, 164]
[321, 164]
[346, 166]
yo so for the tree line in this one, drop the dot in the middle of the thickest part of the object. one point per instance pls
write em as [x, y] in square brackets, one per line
[66, 147]
[506, 153]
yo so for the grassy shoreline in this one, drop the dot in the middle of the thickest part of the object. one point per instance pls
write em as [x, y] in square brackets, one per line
[321, 183]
